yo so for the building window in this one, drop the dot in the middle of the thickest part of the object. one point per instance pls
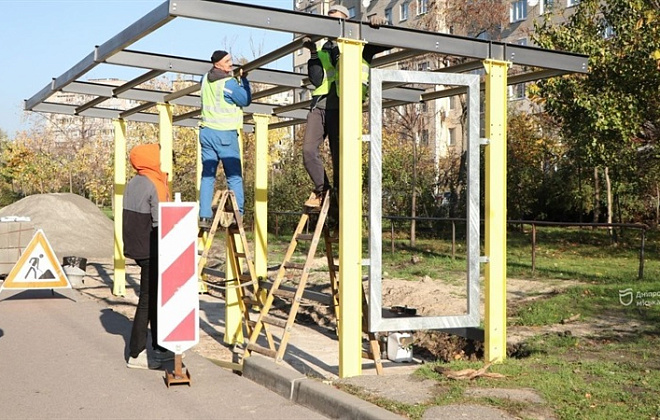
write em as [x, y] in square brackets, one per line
[517, 92]
[608, 32]
[351, 12]
[546, 6]
[451, 141]
[388, 16]
[521, 41]
[452, 102]
[299, 51]
[422, 7]
[313, 11]
[518, 11]
[423, 66]
[403, 11]
[571, 3]
[425, 138]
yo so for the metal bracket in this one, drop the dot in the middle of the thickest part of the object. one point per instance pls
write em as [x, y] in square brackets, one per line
[484, 141]
[484, 259]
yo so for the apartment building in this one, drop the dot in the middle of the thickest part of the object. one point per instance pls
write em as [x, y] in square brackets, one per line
[442, 130]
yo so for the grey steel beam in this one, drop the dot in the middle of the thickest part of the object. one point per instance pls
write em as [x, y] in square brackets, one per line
[192, 114]
[149, 23]
[270, 18]
[547, 59]
[198, 67]
[141, 28]
[91, 104]
[269, 92]
[395, 57]
[135, 110]
[137, 81]
[183, 92]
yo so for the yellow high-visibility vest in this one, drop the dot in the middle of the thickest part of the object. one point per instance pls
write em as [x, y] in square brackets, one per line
[217, 113]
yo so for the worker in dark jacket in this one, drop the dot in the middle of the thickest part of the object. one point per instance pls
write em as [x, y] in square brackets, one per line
[323, 117]
[140, 235]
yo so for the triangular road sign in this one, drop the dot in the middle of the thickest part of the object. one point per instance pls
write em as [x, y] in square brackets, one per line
[37, 268]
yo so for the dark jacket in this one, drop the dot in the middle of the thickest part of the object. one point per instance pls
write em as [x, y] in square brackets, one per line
[140, 217]
[315, 71]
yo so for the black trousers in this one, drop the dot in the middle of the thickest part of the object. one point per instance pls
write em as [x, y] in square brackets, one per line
[146, 311]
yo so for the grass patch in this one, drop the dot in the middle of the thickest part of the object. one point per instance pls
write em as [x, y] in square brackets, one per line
[577, 379]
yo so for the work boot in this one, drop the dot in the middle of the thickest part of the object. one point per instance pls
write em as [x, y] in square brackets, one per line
[205, 222]
[314, 200]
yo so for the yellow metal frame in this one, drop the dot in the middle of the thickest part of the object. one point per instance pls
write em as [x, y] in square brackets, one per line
[350, 208]
[165, 138]
[495, 208]
[119, 282]
[233, 313]
[261, 195]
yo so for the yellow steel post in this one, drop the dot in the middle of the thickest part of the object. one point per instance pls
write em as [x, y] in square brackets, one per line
[261, 195]
[165, 138]
[495, 207]
[201, 242]
[233, 313]
[350, 208]
[119, 283]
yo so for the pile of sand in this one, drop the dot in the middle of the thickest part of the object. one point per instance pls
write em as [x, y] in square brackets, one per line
[73, 225]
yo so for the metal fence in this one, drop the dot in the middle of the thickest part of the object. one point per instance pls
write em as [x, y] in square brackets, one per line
[533, 223]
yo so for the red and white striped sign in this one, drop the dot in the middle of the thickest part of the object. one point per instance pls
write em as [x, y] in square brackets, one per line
[178, 299]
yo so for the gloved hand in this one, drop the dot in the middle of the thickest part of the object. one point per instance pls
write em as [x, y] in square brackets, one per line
[376, 21]
[307, 43]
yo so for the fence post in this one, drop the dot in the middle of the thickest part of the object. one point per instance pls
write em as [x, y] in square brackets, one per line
[392, 235]
[640, 276]
[453, 240]
[533, 248]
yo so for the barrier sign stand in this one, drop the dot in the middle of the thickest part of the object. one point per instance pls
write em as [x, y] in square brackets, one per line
[178, 300]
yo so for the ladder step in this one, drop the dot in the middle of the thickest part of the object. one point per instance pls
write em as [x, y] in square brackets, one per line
[289, 294]
[273, 321]
[213, 272]
[333, 239]
[289, 291]
[261, 350]
[245, 277]
[335, 267]
[240, 254]
[294, 265]
[305, 237]
[252, 302]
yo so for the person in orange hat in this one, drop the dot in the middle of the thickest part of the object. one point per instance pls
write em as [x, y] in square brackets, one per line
[140, 235]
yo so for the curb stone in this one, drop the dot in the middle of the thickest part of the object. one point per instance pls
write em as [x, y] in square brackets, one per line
[322, 398]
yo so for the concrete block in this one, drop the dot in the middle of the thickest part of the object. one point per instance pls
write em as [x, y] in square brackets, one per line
[279, 379]
[336, 404]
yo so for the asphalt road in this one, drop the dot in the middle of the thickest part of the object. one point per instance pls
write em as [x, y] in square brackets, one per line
[63, 355]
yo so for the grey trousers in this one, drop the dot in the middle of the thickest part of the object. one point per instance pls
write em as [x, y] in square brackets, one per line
[321, 123]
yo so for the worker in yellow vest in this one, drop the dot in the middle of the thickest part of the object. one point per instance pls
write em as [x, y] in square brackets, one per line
[223, 97]
[323, 117]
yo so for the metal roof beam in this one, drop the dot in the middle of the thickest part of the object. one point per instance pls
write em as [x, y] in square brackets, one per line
[198, 67]
[137, 81]
[270, 18]
[136, 109]
[147, 24]
[91, 104]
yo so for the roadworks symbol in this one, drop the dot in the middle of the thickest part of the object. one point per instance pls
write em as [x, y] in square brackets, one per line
[37, 268]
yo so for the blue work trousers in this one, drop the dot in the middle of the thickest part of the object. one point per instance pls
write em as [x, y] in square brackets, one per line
[218, 146]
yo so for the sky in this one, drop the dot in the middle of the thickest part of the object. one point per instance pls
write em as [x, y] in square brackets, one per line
[42, 39]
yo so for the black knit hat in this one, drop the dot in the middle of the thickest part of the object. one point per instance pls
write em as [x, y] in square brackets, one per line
[218, 55]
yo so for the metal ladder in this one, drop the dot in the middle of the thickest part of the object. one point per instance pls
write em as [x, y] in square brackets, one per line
[298, 293]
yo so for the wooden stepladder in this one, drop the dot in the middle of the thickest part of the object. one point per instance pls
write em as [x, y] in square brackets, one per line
[298, 293]
[228, 216]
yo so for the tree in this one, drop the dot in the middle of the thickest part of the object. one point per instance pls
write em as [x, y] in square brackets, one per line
[608, 114]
